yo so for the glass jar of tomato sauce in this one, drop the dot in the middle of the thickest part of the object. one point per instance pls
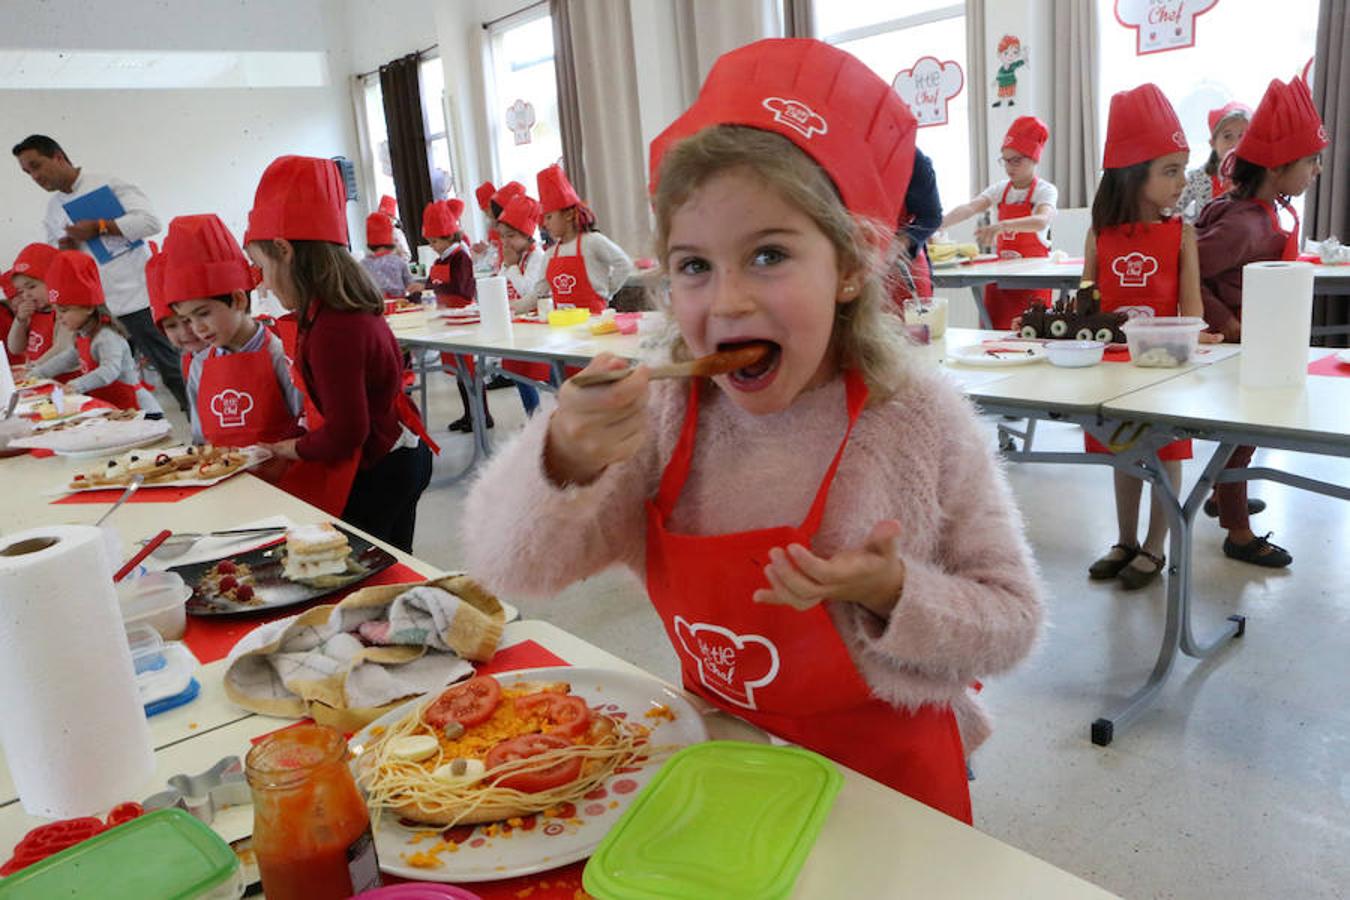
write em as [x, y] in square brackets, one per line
[311, 828]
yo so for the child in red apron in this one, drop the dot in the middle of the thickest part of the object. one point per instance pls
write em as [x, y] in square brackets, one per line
[1024, 207]
[1278, 158]
[239, 387]
[523, 267]
[1207, 183]
[451, 278]
[763, 507]
[1143, 261]
[177, 330]
[487, 254]
[107, 367]
[9, 293]
[584, 267]
[371, 441]
[32, 333]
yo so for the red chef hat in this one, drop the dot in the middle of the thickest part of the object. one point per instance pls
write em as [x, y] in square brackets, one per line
[299, 198]
[388, 206]
[522, 214]
[154, 285]
[1285, 126]
[555, 191]
[202, 259]
[379, 230]
[506, 192]
[1027, 135]
[1231, 108]
[822, 99]
[441, 218]
[34, 261]
[1141, 126]
[483, 193]
[72, 280]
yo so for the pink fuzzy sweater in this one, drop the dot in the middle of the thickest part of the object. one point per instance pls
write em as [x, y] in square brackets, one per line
[971, 602]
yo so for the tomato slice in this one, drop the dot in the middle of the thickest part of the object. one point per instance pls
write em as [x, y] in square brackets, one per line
[528, 745]
[569, 715]
[468, 703]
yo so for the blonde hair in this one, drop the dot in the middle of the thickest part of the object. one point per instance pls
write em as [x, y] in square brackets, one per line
[865, 336]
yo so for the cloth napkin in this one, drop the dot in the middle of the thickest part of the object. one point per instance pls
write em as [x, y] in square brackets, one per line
[318, 664]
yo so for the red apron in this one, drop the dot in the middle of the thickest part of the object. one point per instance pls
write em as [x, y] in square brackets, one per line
[1139, 271]
[240, 403]
[41, 333]
[1290, 251]
[921, 272]
[1003, 305]
[440, 274]
[788, 671]
[7, 322]
[533, 370]
[119, 393]
[569, 283]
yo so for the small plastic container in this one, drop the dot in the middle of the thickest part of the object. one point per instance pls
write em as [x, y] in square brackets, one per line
[163, 670]
[1163, 341]
[563, 318]
[165, 855]
[1075, 354]
[157, 599]
[721, 819]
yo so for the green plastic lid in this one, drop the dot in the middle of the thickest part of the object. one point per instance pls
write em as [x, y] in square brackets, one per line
[721, 819]
[163, 855]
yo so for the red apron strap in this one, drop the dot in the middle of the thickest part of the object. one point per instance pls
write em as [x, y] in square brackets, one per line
[856, 393]
[677, 470]
[412, 419]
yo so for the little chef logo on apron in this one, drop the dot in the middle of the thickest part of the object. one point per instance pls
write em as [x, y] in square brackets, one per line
[1134, 269]
[563, 284]
[231, 407]
[797, 116]
[35, 342]
[730, 665]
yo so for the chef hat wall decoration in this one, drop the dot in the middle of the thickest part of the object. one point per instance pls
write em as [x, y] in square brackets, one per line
[928, 86]
[520, 120]
[1161, 25]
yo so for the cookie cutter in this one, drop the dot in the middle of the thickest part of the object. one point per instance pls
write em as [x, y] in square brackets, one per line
[203, 795]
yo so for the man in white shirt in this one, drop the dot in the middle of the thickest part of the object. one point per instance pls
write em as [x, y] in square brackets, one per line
[123, 240]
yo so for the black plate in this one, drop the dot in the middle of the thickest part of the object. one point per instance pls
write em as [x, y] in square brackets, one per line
[270, 587]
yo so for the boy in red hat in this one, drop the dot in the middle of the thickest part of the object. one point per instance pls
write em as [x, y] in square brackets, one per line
[1025, 206]
[387, 269]
[176, 329]
[1227, 124]
[239, 387]
[1278, 157]
[584, 268]
[108, 369]
[32, 334]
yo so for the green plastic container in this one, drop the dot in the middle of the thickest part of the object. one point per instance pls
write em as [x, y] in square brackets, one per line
[721, 819]
[165, 855]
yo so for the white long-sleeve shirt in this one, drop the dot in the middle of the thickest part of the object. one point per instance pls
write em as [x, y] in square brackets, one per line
[123, 277]
[607, 265]
[115, 361]
[526, 280]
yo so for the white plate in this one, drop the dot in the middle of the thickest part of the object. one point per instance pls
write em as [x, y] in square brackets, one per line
[255, 456]
[117, 448]
[552, 842]
[1344, 357]
[1017, 353]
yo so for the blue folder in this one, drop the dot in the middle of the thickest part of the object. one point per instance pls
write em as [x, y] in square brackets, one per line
[101, 204]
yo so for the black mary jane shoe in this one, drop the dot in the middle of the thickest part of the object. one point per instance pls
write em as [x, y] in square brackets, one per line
[1132, 578]
[1259, 552]
[1109, 566]
[463, 423]
[1254, 506]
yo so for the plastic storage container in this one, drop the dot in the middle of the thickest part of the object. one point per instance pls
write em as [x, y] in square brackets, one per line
[721, 819]
[565, 317]
[165, 855]
[163, 671]
[157, 599]
[1163, 341]
[1075, 354]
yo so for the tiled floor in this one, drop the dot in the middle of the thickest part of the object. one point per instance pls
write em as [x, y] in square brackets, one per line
[1236, 784]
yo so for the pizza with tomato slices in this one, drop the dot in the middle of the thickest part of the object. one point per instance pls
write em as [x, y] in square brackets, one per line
[481, 752]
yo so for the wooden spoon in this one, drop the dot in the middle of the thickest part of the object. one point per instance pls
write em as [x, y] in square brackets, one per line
[719, 363]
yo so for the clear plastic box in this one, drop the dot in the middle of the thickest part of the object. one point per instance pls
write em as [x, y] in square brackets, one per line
[1163, 341]
[157, 599]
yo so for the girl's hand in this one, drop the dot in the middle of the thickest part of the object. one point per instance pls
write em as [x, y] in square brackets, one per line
[596, 427]
[1208, 338]
[24, 309]
[283, 449]
[872, 576]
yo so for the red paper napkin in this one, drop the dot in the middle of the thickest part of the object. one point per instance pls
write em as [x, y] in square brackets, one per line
[151, 495]
[1116, 354]
[1329, 365]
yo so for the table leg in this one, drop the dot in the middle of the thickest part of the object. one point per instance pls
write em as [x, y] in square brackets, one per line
[977, 291]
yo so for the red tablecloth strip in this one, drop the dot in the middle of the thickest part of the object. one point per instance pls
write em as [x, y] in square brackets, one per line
[1329, 365]
[211, 637]
[1116, 354]
[145, 495]
[525, 655]
[41, 453]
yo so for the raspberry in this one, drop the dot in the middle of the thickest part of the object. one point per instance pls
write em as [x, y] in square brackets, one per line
[243, 594]
[225, 567]
[228, 583]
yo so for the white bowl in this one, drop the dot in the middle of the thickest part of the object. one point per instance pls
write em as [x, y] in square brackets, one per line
[1075, 354]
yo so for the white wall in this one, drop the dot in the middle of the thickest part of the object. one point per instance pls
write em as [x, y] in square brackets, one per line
[191, 150]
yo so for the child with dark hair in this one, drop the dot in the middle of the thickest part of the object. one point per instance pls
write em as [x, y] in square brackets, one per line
[1278, 158]
[1204, 185]
[31, 334]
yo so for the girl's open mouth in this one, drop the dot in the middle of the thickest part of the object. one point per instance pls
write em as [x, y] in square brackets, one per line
[758, 375]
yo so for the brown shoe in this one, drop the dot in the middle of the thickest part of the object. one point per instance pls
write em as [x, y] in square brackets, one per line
[1132, 578]
[1109, 566]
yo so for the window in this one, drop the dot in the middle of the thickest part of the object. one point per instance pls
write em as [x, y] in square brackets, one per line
[1239, 48]
[523, 97]
[435, 123]
[870, 31]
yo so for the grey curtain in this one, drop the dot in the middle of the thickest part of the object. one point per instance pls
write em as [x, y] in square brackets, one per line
[977, 82]
[401, 86]
[1073, 123]
[1328, 203]
[799, 18]
[705, 29]
[569, 107]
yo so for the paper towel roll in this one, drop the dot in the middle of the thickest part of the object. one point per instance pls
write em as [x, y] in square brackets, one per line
[494, 308]
[1276, 324]
[73, 729]
[6, 385]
